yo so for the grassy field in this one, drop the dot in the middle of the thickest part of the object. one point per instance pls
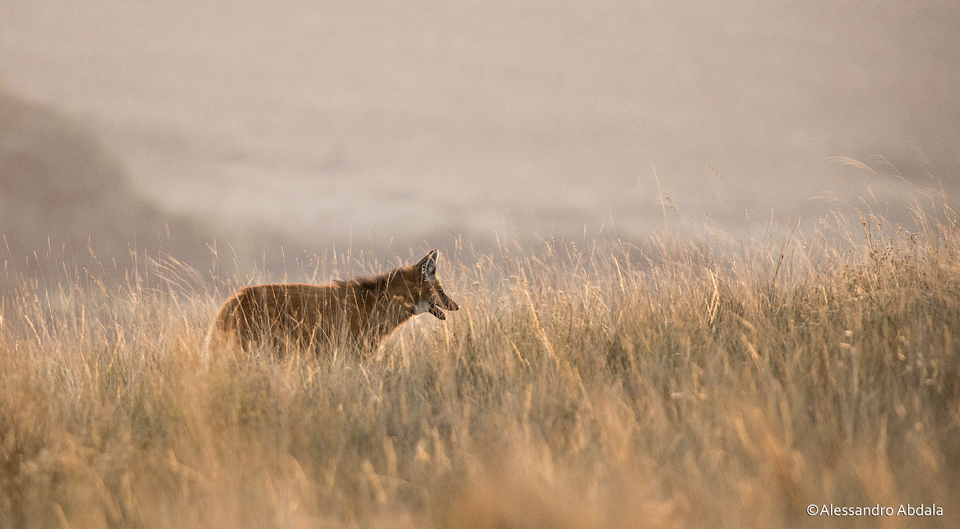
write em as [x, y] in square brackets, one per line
[665, 384]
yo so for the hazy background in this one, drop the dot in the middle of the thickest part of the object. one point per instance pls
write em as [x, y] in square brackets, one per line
[311, 124]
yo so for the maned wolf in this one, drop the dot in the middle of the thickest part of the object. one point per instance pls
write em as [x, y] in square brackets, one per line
[358, 313]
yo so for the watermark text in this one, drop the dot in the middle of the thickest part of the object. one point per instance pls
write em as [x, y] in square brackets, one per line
[876, 510]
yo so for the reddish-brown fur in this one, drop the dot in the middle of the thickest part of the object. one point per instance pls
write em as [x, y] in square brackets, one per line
[359, 312]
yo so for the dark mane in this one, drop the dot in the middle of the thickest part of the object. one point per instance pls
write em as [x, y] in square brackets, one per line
[374, 283]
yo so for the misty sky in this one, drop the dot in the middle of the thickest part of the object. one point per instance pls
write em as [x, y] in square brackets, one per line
[406, 119]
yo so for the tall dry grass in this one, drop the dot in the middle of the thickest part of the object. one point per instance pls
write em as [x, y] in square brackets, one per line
[670, 384]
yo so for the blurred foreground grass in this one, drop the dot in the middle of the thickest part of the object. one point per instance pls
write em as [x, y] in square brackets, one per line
[671, 384]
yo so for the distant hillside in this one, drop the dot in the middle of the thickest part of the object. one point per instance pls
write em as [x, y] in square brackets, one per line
[62, 190]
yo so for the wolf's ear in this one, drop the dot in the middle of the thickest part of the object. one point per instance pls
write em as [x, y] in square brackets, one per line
[428, 266]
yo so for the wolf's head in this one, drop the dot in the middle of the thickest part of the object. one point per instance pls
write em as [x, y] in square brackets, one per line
[431, 297]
